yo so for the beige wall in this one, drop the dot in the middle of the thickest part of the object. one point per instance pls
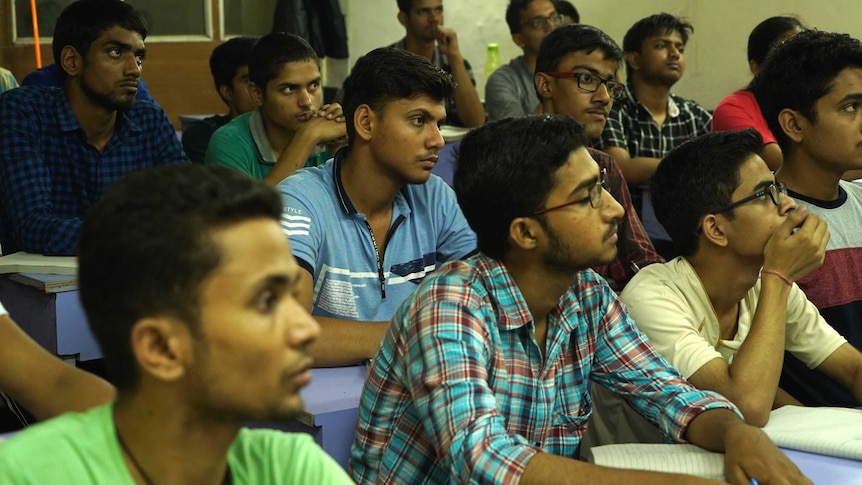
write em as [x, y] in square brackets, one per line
[717, 61]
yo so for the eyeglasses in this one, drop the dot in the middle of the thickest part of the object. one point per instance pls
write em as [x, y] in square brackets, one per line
[773, 190]
[594, 198]
[539, 22]
[590, 82]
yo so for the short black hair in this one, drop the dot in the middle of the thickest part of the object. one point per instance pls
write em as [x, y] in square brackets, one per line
[405, 5]
[83, 21]
[388, 73]
[229, 56]
[698, 178]
[273, 51]
[799, 72]
[661, 23]
[566, 39]
[145, 247]
[507, 168]
[566, 8]
[513, 14]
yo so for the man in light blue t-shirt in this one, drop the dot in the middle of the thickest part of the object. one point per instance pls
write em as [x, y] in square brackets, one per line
[189, 286]
[367, 226]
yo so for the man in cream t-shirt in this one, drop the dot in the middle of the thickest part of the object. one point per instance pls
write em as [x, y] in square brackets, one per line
[725, 311]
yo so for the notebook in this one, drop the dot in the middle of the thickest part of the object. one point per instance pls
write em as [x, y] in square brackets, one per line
[22, 262]
[826, 431]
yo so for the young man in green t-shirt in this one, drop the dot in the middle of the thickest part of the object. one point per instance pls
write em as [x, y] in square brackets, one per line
[190, 288]
[291, 128]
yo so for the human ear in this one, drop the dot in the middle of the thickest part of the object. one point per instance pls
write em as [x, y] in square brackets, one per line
[792, 124]
[256, 93]
[543, 85]
[518, 39]
[633, 60]
[225, 92]
[523, 232]
[162, 347]
[712, 229]
[71, 61]
[364, 121]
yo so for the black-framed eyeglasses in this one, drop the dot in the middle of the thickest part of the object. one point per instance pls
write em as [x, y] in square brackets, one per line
[594, 197]
[774, 190]
[590, 83]
[539, 22]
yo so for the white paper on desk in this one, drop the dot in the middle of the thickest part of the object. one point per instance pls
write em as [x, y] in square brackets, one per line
[22, 262]
[687, 459]
[826, 430]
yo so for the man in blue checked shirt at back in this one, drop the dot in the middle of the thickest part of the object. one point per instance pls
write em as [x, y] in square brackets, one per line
[483, 376]
[61, 148]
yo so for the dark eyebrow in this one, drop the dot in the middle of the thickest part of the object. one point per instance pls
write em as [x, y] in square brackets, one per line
[595, 71]
[587, 68]
[762, 185]
[585, 184]
[115, 43]
[296, 85]
[851, 97]
[112, 44]
[278, 281]
[424, 113]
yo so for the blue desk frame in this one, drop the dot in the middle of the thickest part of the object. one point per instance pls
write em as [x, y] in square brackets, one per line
[48, 309]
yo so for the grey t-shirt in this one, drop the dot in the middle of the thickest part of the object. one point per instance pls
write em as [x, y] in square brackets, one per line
[510, 92]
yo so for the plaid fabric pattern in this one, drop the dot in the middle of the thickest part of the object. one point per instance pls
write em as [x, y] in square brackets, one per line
[460, 392]
[631, 126]
[634, 249]
[50, 174]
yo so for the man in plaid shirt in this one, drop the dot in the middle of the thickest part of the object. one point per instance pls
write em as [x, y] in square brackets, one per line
[62, 147]
[576, 75]
[483, 376]
[648, 121]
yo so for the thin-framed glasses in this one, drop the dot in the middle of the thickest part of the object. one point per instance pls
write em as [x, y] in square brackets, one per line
[774, 190]
[539, 22]
[590, 83]
[594, 197]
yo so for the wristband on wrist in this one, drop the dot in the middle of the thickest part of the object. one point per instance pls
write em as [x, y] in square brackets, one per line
[776, 273]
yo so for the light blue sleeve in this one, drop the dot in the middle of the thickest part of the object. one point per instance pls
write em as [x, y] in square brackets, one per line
[301, 224]
[455, 239]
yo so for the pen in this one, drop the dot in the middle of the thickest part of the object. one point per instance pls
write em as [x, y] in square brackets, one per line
[752, 481]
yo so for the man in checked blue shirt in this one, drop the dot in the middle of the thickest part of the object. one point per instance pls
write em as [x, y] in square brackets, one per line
[483, 376]
[62, 147]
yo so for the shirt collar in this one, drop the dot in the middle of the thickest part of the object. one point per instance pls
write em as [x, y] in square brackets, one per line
[68, 122]
[672, 108]
[513, 311]
[258, 134]
[343, 199]
[401, 204]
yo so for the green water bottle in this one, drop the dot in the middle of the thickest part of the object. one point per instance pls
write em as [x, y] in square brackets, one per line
[492, 60]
